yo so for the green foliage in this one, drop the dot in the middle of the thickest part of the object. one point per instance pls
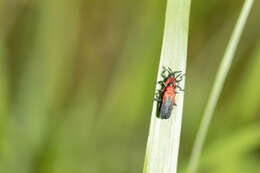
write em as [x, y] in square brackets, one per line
[77, 82]
[164, 135]
[218, 85]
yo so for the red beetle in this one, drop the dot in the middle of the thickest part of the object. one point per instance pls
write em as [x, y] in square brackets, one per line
[166, 95]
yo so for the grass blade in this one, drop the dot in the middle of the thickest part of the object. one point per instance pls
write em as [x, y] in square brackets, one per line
[218, 85]
[163, 141]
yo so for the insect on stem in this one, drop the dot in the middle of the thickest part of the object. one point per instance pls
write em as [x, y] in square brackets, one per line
[165, 96]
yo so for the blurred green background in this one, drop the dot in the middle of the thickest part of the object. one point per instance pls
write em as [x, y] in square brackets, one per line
[77, 82]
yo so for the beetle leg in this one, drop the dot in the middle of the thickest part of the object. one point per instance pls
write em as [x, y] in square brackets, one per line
[164, 68]
[158, 100]
[160, 82]
[157, 94]
[170, 70]
[181, 78]
[163, 85]
[177, 76]
[180, 88]
[163, 75]
[157, 97]
[177, 72]
[161, 90]
[163, 71]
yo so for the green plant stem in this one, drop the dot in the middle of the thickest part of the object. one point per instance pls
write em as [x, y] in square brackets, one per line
[218, 85]
[163, 140]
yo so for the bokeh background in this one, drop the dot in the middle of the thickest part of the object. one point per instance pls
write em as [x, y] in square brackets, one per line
[77, 82]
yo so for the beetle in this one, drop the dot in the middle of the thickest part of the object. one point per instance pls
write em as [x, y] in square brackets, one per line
[165, 96]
